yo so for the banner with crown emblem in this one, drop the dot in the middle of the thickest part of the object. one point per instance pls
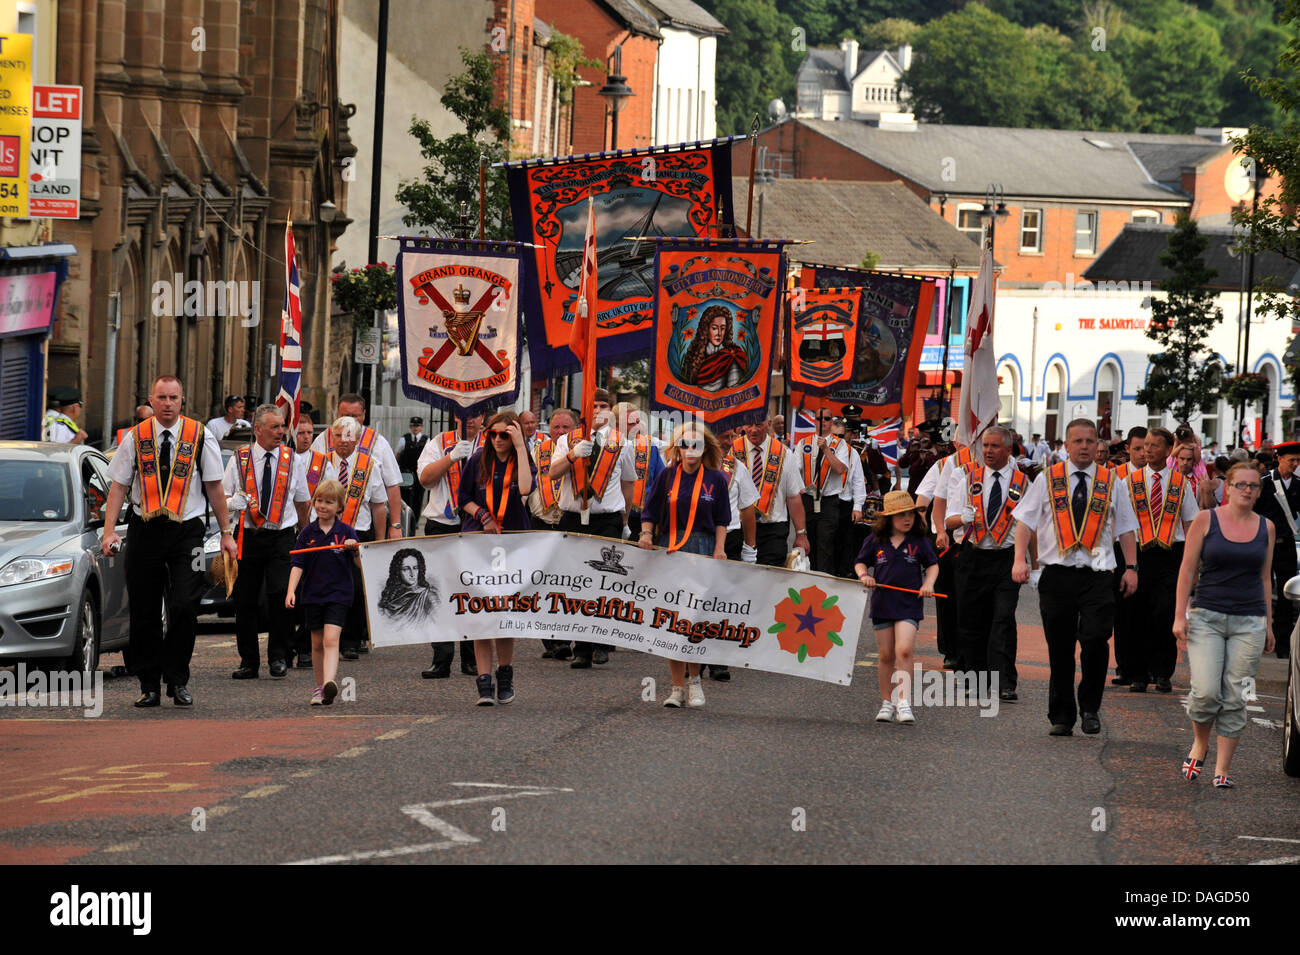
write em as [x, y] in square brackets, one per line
[823, 334]
[717, 311]
[891, 317]
[576, 587]
[458, 322]
[639, 195]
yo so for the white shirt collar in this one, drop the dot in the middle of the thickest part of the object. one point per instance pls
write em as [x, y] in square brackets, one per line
[1090, 470]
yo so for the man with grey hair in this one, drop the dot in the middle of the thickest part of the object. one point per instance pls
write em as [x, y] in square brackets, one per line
[266, 490]
[377, 447]
[365, 510]
[983, 496]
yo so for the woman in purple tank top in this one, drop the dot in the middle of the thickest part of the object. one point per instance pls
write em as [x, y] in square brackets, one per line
[1228, 560]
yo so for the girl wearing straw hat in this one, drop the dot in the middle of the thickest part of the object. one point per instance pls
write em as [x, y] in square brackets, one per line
[899, 555]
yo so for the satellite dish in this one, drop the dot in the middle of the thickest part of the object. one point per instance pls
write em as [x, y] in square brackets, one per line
[776, 108]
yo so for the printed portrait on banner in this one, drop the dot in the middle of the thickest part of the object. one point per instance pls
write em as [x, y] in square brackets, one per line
[638, 198]
[458, 322]
[716, 317]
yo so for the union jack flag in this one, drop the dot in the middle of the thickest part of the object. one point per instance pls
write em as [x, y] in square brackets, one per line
[805, 428]
[290, 337]
[886, 437]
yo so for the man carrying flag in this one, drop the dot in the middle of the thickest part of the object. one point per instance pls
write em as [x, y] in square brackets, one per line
[290, 338]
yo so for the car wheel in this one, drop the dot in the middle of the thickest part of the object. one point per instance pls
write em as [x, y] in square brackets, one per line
[1291, 734]
[85, 649]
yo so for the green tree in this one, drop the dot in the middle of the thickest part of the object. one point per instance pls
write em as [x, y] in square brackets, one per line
[1081, 88]
[451, 177]
[1186, 375]
[1175, 72]
[888, 34]
[756, 61]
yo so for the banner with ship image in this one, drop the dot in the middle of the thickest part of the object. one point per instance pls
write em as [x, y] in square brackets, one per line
[682, 190]
[717, 313]
[458, 322]
[878, 370]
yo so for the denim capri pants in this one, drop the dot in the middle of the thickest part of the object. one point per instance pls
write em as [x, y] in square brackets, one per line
[1223, 651]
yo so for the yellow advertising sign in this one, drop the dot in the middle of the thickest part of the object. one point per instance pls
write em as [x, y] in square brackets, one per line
[15, 121]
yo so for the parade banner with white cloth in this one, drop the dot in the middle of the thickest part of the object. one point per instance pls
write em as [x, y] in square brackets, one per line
[543, 584]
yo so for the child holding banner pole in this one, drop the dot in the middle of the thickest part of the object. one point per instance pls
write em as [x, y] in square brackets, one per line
[902, 557]
[494, 489]
[689, 505]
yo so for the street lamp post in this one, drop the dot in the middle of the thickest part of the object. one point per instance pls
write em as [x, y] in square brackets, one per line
[616, 91]
[995, 208]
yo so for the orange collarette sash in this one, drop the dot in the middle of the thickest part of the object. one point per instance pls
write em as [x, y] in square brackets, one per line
[1068, 537]
[169, 501]
[773, 450]
[604, 469]
[547, 487]
[673, 543]
[359, 477]
[315, 470]
[1121, 470]
[832, 448]
[975, 488]
[448, 441]
[284, 469]
[1151, 532]
[643, 447]
[729, 465]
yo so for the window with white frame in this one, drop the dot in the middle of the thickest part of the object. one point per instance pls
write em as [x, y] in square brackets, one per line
[1146, 215]
[1085, 233]
[1031, 230]
[969, 222]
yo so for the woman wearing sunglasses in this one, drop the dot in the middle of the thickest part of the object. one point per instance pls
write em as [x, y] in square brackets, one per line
[1228, 559]
[494, 487]
[689, 506]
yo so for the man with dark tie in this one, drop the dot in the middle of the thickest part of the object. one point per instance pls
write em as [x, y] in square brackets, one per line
[983, 497]
[1279, 501]
[167, 463]
[1077, 509]
[266, 487]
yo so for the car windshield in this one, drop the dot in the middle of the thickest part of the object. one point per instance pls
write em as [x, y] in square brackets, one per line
[34, 491]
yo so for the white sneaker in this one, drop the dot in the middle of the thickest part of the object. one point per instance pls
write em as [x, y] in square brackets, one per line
[886, 714]
[694, 692]
[676, 697]
[905, 712]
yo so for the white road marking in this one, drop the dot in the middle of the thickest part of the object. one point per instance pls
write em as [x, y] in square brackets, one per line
[223, 810]
[220, 646]
[1267, 724]
[1269, 839]
[263, 791]
[354, 751]
[305, 773]
[377, 854]
[392, 734]
[1284, 860]
[1254, 709]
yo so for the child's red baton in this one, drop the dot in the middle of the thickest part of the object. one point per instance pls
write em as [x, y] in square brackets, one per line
[908, 590]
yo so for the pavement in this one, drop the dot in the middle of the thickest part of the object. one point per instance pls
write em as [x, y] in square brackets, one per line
[588, 766]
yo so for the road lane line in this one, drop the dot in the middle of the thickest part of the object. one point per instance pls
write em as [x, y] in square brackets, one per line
[305, 773]
[392, 734]
[123, 847]
[262, 791]
[378, 853]
[1270, 839]
[221, 810]
[354, 751]
[1284, 860]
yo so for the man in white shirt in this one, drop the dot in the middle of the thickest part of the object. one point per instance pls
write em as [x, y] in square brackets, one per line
[234, 418]
[1163, 504]
[777, 478]
[1041, 451]
[354, 406]
[168, 465]
[1077, 518]
[853, 498]
[365, 509]
[266, 490]
[984, 497]
[647, 461]
[528, 426]
[825, 463]
[934, 487]
[60, 424]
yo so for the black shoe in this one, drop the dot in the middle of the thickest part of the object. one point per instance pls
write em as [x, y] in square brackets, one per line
[244, 673]
[1164, 685]
[599, 655]
[1008, 696]
[721, 674]
[469, 667]
[278, 670]
[1120, 680]
[580, 663]
[951, 663]
[548, 654]
[364, 648]
[486, 696]
[438, 671]
[505, 683]
[1090, 723]
[563, 653]
[148, 698]
[1136, 687]
[348, 654]
[1061, 729]
[180, 695]
[304, 661]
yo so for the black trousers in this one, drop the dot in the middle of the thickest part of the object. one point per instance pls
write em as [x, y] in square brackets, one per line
[988, 598]
[160, 559]
[414, 497]
[265, 562]
[1284, 568]
[771, 541]
[633, 522]
[1078, 606]
[826, 545]
[851, 545]
[602, 525]
[1128, 621]
[355, 630]
[445, 651]
[735, 540]
[947, 620]
[1152, 652]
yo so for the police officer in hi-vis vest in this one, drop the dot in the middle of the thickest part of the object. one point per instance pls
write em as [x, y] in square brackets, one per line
[983, 497]
[438, 470]
[266, 491]
[1077, 509]
[166, 463]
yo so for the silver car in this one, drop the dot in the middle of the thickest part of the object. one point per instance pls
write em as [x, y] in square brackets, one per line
[62, 603]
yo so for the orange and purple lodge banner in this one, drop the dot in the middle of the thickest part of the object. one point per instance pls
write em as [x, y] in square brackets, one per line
[717, 311]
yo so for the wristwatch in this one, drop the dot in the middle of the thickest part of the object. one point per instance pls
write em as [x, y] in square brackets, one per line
[398, 526]
[228, 531]
[1130, 566]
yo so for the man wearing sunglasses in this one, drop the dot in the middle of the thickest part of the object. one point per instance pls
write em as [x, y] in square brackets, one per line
[825, 462]
[647, 453]
[1279, 501]
[775, 469]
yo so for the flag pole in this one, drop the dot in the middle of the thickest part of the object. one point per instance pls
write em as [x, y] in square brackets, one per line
[753, 157]
[947, 332]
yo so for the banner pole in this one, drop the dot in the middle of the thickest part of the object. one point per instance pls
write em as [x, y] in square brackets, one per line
[753, 158]
[482, 196]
